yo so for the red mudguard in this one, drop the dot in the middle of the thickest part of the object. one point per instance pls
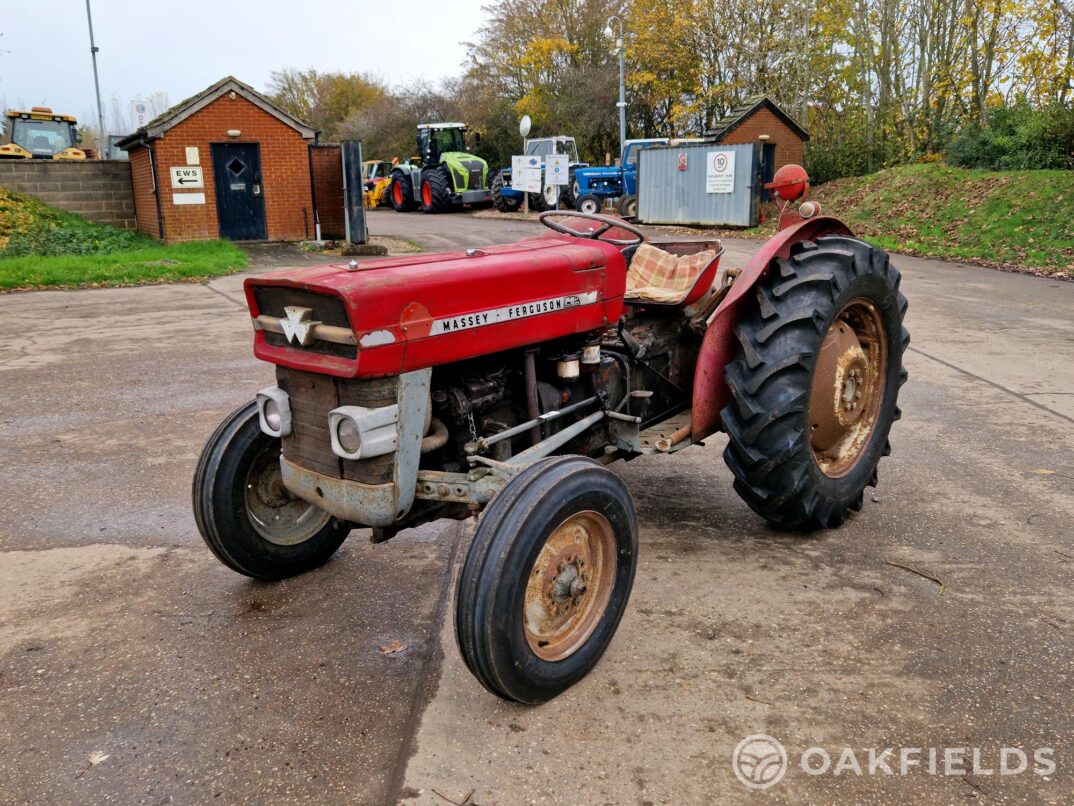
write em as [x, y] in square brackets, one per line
[720, 345]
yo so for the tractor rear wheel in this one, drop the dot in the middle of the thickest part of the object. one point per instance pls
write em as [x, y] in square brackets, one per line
[401, 192]
[628, 206]
[569, 193]
[249, 520]
[435, 190]
[815, 384]
[505, 204]
[546, 579]
[550, 195]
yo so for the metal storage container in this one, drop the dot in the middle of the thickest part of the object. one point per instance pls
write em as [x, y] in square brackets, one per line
[691, 184]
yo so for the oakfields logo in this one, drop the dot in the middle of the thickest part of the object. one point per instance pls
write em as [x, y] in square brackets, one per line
[760, 761]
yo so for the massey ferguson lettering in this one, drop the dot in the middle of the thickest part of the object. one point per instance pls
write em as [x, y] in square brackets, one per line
[511, 312]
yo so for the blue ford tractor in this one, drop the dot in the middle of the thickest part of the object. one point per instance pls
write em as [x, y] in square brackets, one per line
[507, 199]
[593, 185]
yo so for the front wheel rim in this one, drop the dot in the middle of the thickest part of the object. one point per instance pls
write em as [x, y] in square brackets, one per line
[275, 514]
[848, 386]
[569, 586]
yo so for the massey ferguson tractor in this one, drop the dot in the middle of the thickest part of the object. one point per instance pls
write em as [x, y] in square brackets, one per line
[443, 177]
[501, 382]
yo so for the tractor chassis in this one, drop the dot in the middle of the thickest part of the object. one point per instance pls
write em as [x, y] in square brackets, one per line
[385, 507]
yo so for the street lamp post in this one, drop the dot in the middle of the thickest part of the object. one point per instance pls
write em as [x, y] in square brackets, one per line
[619, 46]
[96, 82]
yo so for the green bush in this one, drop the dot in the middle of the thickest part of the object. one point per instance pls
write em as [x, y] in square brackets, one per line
[73, 240]
[1017, 138]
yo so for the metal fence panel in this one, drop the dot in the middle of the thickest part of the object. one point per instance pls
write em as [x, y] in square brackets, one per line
[351, 154]
[670, 195]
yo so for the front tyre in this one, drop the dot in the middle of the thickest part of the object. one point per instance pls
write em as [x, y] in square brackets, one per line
[589, 203]
[505, 204]
[401, 192]
[546, 579]
[249, 520]
[815, 384]
[435, 190]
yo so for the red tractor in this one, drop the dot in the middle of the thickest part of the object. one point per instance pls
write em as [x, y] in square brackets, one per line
[503, 380]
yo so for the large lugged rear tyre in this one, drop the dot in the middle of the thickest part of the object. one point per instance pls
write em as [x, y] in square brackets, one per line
[247, 517]
[505, 204]
[546, 579]
[569, 196]
[815, 383]
[436, 190]
[401, 193]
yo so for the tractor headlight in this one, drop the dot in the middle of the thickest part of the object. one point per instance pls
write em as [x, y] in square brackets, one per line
[274, 410]
[359, 433]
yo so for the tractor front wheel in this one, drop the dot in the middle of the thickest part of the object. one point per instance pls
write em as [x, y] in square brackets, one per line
[815, 384]
[401, 193]
[249, 520]
[505, 204]
[435, 190]
[546, 579]
[589, 203]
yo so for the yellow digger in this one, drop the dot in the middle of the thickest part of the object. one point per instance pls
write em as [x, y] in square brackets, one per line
[40, 134]
[376, 177]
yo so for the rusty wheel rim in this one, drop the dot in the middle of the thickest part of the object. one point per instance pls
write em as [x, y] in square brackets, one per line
[569, 586]
[848, 387]
[277, 515]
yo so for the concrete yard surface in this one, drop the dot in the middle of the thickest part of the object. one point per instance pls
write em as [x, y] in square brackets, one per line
[134, 668]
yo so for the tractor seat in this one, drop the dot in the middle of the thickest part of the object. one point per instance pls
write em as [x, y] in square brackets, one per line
[660, 278]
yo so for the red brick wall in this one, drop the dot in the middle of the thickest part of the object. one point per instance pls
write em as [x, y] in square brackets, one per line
[328, 188]
[789, 146]
[284, 172]
[145, 204]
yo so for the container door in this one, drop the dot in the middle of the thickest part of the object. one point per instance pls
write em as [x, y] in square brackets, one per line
[240, 203]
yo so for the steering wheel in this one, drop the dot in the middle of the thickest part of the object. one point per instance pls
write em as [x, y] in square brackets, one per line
[606, 223]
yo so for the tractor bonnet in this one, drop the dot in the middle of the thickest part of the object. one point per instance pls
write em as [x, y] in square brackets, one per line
[392, 315]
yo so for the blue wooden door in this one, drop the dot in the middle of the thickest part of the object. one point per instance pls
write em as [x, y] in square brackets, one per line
[240, 203]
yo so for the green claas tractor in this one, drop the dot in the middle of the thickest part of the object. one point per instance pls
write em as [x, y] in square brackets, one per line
[443, 176]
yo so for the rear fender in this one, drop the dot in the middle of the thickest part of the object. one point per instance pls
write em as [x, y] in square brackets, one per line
[719, 346]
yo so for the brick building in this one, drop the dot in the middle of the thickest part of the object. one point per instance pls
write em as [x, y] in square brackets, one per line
[225, 163]
[760, 120]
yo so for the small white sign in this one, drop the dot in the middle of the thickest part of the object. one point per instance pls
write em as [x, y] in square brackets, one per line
[531, 180]
[188, 198]
[556, 169]
[518, 165]
[139, 114]
[185, 176]
[720, 172]
[192, 156]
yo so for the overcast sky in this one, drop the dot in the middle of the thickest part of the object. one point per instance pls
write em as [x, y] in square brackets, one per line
[182, 47]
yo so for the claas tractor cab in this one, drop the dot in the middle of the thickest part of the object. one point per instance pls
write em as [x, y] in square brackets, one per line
[40, 134]
[444, 176]
[376, 178]
[507, 199]
[500, 382]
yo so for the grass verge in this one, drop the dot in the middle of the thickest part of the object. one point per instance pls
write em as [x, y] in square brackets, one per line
[154, 263]
[42, 247]
[1014, 220]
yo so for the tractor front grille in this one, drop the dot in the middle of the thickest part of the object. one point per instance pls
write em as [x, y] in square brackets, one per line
[271, 301]
[312, 396]
[476, 180]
